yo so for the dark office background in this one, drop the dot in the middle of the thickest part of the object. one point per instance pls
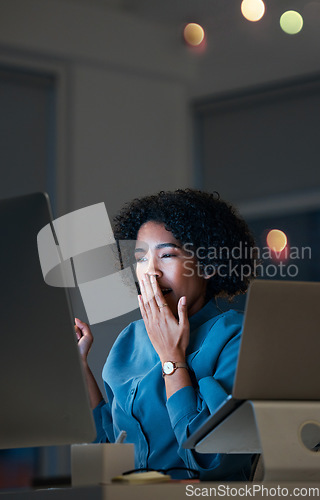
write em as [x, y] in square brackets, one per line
[101, 101]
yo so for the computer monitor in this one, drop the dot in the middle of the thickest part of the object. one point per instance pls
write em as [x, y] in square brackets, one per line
[43, 395]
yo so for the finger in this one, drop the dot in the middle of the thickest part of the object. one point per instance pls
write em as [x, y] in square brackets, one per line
[151, 295]
[83, 327]
[148, 287]
[78, 332]
[144, 298]
[182, 311]
[80, 324]
[142, 308]
[158, 295]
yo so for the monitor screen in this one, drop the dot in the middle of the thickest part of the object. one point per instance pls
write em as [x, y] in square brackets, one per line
[43, 396]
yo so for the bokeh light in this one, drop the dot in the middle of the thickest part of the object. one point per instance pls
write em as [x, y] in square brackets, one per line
[291, 22]
[193, 34]
[276, 240]
[253, 10]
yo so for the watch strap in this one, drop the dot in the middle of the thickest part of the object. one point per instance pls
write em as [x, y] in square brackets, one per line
[176, 365]
[180, 364]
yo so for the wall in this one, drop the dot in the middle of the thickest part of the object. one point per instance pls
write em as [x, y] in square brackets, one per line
[122, 112]
[125, 121]
[262, 144]
[130, 136]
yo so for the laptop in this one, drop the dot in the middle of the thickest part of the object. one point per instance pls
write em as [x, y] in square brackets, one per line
[44, 400]
[279, 352]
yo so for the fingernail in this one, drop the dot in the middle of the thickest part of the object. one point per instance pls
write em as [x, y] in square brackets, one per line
[152, 279]
[183, 301]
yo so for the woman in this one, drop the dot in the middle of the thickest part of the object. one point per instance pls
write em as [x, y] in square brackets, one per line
[169, 371]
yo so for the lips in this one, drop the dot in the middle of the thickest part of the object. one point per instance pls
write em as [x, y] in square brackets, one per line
[165, 291]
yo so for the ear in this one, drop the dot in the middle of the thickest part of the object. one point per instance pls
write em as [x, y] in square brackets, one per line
[208, 276]
[209, 273]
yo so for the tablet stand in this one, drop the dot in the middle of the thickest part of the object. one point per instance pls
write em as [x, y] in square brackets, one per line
[287, 433]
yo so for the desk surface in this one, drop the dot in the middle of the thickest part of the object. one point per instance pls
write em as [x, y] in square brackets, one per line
[171, 491]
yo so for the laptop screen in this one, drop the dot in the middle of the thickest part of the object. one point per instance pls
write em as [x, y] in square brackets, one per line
[279, 354]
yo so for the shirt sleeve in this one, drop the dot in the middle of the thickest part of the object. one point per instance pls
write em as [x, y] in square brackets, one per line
[103, 423]
[188, 408]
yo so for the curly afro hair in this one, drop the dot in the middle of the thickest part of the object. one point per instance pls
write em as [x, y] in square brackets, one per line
[204, 222]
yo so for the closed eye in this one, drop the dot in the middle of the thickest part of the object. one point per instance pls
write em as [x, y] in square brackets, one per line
[141, 259]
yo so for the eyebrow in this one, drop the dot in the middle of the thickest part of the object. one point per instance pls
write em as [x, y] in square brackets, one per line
[159, 246]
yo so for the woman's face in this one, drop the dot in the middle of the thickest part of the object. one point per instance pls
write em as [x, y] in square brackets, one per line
[159, 253]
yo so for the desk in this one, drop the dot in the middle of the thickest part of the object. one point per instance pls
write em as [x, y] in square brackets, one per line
[170, 491]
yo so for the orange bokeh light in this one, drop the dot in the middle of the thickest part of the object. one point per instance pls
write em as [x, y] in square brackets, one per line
[276, 240]
[193, 34]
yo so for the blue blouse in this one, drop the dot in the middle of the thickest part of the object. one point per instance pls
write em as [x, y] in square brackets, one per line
[137, 401]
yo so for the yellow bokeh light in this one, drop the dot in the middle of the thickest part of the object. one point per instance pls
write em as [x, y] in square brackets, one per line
[193, 34]
[276, 240]
[291, 22]
[252, 10]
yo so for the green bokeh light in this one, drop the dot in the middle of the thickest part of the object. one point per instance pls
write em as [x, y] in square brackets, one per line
[291, 22]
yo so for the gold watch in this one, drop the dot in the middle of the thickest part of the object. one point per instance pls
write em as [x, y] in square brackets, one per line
[169, 367]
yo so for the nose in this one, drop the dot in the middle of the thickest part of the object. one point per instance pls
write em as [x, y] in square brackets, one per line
[153, 268]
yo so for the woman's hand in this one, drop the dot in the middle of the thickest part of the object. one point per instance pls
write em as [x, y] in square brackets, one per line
[169, 336]
[85, 338]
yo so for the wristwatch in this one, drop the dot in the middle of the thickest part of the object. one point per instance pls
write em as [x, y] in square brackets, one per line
[169, 367]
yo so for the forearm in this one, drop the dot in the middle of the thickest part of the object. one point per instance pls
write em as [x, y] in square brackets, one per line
[95, 395]
[179, 378]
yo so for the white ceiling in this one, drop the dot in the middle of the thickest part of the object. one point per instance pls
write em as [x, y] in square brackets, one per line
[238, 53]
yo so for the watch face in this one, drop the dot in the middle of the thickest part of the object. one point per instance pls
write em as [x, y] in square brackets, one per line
[168, 367]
